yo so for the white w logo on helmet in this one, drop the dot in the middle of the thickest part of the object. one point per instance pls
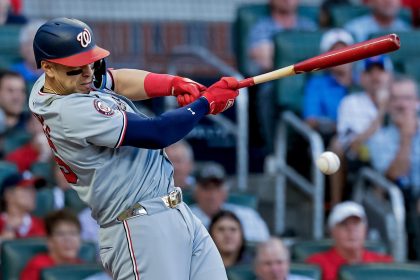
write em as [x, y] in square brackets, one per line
[84, 38]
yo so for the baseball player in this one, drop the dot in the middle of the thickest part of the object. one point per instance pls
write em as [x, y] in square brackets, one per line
[112, 155]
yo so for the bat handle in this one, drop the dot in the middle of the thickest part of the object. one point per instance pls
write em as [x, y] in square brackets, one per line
[246, 83]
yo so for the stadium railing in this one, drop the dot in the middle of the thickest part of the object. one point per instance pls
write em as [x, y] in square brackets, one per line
[240, 129]
[313, 188]
[393, 218]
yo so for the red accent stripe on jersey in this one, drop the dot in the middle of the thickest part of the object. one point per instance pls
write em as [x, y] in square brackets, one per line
[41, 93]
[123, 130]
[131, 249]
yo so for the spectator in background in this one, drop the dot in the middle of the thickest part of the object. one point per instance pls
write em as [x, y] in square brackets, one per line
[414, 5]
[36, 150]
[395, 152]
[272, 261]
[63, 241]
[283, 16]
[383, 17]
[12, 99]
[18, 200]
[359, 116]
[395, 148]
[7, 16]
[27, 67]
[348, 227]
[182, 157]
[324, 92]
[211, 192]
[228, 235]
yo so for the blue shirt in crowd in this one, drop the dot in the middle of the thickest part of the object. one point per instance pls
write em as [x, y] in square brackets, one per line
[323, 95]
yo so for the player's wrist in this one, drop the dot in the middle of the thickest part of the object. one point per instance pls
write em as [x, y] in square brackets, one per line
[157, 85]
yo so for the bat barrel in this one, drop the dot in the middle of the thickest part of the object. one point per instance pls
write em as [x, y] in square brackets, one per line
[377, 46]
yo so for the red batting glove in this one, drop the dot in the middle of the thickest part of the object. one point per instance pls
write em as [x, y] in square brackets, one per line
[186, 90]
[221, 95]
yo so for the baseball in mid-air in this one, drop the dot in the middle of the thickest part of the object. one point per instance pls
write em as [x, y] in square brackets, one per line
[328, 163]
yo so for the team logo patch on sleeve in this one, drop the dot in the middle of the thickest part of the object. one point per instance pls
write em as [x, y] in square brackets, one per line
[102, 107]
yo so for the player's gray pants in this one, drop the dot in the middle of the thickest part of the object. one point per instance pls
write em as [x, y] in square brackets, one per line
[165, 244]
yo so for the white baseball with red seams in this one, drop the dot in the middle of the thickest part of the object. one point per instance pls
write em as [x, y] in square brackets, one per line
[328, 163]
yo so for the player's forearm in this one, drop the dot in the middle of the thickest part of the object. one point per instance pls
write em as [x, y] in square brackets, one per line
[401, 163]
[130, 83]
[166, 129]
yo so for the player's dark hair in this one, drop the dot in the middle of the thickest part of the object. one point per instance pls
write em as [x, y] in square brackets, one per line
[223, 214]
[53, 219]
[7, 73]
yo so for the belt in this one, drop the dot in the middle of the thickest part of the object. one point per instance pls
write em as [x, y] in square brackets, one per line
[172, 200]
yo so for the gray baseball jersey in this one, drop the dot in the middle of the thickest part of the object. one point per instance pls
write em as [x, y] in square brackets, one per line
[85, 132]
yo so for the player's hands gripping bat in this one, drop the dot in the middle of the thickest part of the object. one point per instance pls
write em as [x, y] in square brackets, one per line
[221, 95]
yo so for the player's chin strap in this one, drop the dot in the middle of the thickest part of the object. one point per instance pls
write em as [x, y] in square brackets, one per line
[102, 79]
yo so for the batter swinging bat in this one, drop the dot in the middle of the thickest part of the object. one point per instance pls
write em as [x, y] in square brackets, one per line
[376, 46]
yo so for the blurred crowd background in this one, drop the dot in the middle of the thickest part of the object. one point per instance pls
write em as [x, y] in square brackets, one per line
[249, 174]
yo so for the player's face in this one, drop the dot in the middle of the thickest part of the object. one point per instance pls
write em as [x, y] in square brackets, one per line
[71, 79]
[65, 241]
[350, 234]
[227, 235]
[12, 95]
[272, 264]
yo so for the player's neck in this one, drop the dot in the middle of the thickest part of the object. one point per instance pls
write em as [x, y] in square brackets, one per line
[50, 87]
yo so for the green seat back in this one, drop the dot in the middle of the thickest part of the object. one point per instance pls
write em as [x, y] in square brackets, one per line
[302, 250]
[292, 47]
[241, 272]
[44, 170]
[44, 202]
[389, 271]
[9, 45]
[70, 272]
[15, 139]
[308, 270]
[16, 253]
[73, 202]
[246, 272]
[6, 169]
[412, 68]
[341, 14]
[242, 199]
[246, 17]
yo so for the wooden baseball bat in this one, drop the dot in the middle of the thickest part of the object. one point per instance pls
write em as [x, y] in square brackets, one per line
[362, 50]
